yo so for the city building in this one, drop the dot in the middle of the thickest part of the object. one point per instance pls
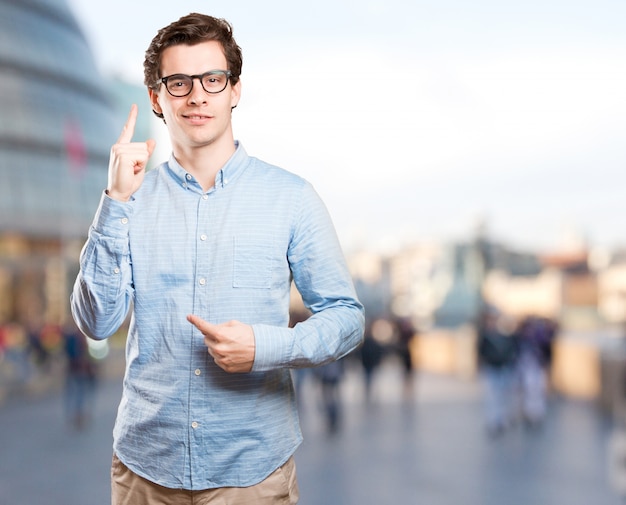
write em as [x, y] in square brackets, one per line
[58, 123]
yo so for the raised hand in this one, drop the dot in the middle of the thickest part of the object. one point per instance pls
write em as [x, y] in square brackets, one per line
[230, 344]
[128, 160]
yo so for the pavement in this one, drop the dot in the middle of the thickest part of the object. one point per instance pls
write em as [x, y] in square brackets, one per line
[427, 448]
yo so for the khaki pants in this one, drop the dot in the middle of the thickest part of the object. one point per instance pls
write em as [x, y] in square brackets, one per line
[128, 488]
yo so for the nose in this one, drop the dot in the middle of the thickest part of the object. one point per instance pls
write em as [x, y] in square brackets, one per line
[197, 95]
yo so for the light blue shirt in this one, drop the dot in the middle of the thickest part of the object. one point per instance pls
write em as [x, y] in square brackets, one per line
[227, 253]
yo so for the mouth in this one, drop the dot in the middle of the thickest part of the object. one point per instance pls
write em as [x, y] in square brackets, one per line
[197, 118]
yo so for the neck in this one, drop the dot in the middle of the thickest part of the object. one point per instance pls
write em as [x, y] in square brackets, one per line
[205, 162]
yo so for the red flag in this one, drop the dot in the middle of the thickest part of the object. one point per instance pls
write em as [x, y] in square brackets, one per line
[75, 149]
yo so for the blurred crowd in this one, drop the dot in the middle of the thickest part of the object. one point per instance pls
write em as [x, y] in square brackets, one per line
[384, 339]
[47, 356]
[514, 358]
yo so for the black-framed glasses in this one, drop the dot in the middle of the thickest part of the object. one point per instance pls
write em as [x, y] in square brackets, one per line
[213, 81]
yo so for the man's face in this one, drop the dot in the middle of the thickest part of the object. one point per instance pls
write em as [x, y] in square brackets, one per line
[200, 118]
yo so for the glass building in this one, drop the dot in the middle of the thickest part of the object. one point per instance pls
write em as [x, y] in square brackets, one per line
[57, 126]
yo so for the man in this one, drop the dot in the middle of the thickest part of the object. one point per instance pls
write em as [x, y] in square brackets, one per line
[205, 246]
[497, 354]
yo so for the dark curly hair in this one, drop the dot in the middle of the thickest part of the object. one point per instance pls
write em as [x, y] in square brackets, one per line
[192, 29]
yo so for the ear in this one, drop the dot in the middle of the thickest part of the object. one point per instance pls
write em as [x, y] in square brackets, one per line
[235, 94]
[154, 100]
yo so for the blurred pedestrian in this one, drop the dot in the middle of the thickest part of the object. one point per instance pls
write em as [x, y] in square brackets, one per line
[4, 332]
[17, 352]
[406, 336]
[371, 353]
[36, 345]
[80, 378]
[204, 249]
[497, 355]
[329, 377]
[536, 337]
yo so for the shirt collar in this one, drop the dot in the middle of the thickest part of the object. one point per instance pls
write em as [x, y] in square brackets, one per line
[231, 170]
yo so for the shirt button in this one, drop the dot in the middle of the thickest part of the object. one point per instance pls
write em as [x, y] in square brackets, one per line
[188, 177]
[205, 197]
[116, 270]
[197, 372]
[202, 282]
[194, 425]
[203, 237]
[124, 220]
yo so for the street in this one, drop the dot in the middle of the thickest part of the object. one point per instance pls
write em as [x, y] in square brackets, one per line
[429, 449]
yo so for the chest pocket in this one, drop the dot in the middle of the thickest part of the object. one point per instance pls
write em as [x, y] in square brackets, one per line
[253, 263]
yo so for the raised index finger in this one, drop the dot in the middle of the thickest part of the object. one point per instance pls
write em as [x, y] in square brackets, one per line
[129, 128]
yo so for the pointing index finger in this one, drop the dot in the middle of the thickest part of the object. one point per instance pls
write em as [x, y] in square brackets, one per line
[204, 326]
[129, 128]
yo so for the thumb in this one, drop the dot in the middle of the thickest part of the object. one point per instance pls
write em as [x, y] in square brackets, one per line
[151, 144]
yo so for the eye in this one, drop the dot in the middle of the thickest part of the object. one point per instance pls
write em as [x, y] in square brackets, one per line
[178, 81]
[214, 81]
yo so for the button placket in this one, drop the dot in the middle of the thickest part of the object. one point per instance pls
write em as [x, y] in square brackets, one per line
[202, 281]
[202, 260]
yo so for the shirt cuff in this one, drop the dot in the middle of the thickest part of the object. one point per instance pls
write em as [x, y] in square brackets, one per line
[112, 217]
[273, 347]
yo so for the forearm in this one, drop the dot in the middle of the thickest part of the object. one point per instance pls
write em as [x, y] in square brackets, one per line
[324, 337]
[103, 289]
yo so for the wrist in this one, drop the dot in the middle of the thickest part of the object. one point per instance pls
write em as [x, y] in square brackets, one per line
[116, 196]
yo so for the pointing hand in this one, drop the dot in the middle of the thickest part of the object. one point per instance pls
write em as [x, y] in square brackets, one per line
[127, 164]
[230, 344]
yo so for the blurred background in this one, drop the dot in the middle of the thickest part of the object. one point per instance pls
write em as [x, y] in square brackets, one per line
[472, 157]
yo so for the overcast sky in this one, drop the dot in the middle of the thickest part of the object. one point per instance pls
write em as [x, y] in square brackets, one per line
[417, 119]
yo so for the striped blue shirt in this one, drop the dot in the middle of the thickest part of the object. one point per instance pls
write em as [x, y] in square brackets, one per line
[227, 253]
